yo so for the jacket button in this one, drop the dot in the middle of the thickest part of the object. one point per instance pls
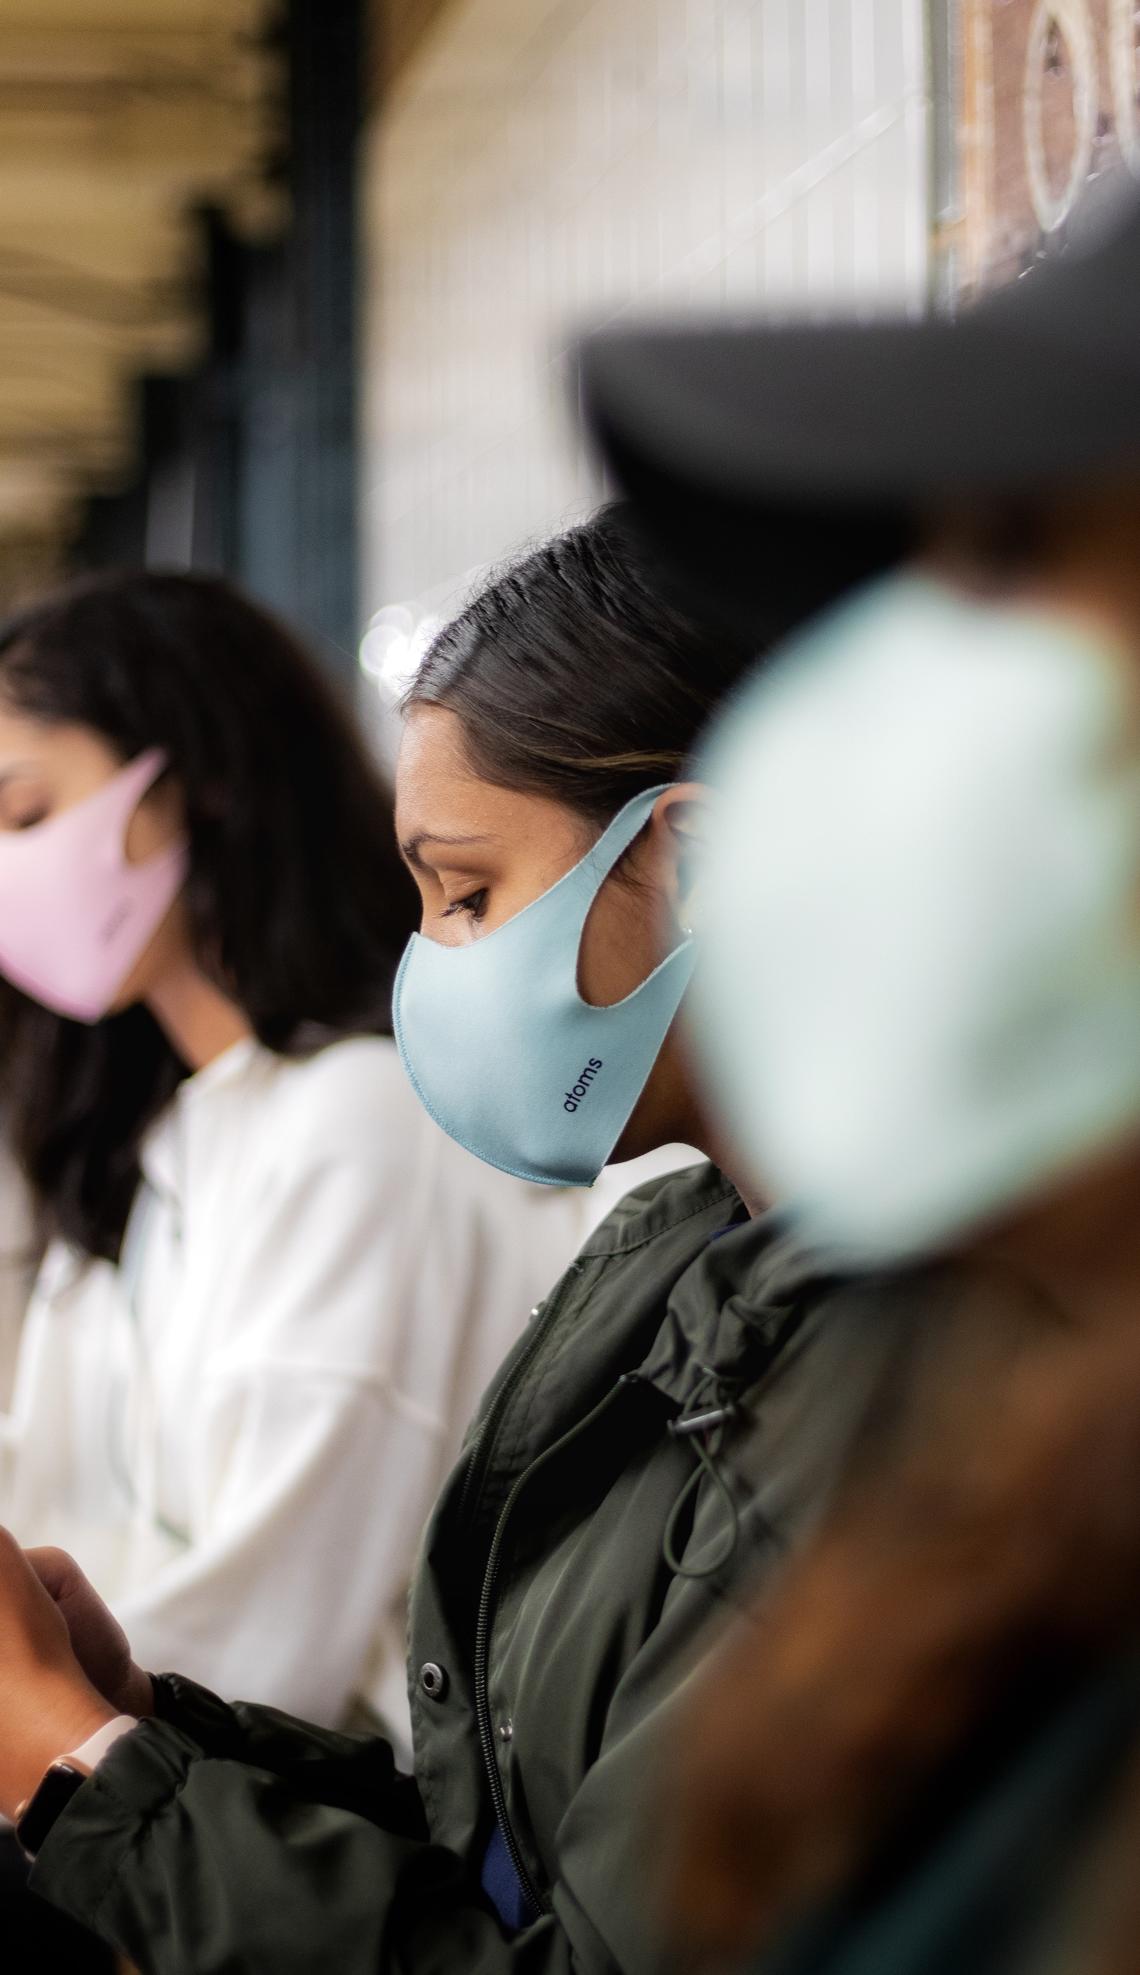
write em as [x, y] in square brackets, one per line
[506, 1730]
[433, 1680]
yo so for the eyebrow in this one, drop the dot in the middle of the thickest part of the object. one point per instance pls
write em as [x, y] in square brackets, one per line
[412, 849]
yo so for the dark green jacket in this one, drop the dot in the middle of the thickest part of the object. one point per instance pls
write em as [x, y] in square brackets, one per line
[549, 1634]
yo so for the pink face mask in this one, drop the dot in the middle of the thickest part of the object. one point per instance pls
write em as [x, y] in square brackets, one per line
[75, 916]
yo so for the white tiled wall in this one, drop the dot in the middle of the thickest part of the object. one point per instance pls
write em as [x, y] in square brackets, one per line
[549, 163]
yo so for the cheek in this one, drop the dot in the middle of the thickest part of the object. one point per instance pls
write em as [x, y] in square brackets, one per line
[157, 821]
[427, 908]
[143, 837]
[619, 947]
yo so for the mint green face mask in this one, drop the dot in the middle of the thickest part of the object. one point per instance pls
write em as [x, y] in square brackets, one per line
[503, 1051]
[924, 1008]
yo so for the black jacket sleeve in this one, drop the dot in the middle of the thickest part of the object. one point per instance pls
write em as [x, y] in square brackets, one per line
[234, 1839]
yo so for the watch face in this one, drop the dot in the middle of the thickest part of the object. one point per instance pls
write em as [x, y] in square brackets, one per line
[60, 1783]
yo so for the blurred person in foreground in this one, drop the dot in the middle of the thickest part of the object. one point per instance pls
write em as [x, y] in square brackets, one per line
[664, 1433]
[923, 1028]
[249, 1356]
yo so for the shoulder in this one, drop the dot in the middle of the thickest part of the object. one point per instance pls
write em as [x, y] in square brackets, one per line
[347, 1094]
[358, 1074]
[662, 1204]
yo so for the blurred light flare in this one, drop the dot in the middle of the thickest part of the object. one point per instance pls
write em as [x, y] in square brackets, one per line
[395, 645]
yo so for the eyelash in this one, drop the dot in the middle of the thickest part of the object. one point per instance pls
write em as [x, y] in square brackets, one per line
[475, 904]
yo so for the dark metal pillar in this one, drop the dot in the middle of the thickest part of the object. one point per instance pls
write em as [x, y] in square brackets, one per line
[299, 484]
[249, 466]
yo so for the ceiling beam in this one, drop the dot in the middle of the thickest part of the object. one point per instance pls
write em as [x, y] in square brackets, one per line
[119, 119]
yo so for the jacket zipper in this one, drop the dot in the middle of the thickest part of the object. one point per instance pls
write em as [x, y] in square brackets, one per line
[479, 1460]
[483, 1634]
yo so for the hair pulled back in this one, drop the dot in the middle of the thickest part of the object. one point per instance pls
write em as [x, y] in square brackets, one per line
[575, 676]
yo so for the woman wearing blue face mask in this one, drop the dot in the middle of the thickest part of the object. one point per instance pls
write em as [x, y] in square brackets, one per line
[666, 1429]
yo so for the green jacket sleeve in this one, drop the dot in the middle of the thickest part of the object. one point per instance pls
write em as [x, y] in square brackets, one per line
[234, 1840]
[353, 1771]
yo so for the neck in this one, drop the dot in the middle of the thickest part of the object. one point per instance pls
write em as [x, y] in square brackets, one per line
[198, 1020]
[708, 1140]
[684, 1120]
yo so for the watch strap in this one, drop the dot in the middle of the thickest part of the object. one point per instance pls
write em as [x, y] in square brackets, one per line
[36, 1818]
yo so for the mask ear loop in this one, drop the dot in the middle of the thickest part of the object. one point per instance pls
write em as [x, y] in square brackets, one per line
[142, 776]
[607, 852]
[622, 830]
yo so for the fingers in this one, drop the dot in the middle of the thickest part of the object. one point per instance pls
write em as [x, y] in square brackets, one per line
[12, 1557]
[98, 1640]
[57, 1572]
[86, 1614]
[19, 1578]
[136, 1695]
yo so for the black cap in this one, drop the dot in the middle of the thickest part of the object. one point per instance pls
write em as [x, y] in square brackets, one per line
[719, 430]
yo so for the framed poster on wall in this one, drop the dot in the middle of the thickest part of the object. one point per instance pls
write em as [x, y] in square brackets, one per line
[1045, 112]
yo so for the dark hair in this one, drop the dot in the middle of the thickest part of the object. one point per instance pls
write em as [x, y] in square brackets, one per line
[576, 676]
[298, 904]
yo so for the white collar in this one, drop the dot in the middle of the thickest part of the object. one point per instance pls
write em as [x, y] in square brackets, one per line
[160, 1156]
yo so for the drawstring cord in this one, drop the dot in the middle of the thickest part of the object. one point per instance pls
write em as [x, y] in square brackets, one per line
[704, 1428]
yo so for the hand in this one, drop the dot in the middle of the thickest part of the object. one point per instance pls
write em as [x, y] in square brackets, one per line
[97, 1639]
[48, 1705]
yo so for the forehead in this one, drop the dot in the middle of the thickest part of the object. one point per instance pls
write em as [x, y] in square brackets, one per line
[434, 778]
[20, 731]
[439, 793]
[47, 744]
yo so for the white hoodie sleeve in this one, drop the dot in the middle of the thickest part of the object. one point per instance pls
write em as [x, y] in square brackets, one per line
[326, 1412]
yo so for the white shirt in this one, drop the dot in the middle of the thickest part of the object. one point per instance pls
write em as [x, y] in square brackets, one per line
[240, 1430]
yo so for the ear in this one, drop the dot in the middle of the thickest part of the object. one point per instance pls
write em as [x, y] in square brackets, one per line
[677, 824]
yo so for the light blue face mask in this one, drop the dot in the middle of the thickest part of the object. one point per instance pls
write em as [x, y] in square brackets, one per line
[503, 1051]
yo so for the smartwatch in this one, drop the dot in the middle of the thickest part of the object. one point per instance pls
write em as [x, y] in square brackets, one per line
[35, 1818]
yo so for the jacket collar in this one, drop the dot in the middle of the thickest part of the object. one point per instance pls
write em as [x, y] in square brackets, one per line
[731, 1310]
[726, 1289]
[674, 1281]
